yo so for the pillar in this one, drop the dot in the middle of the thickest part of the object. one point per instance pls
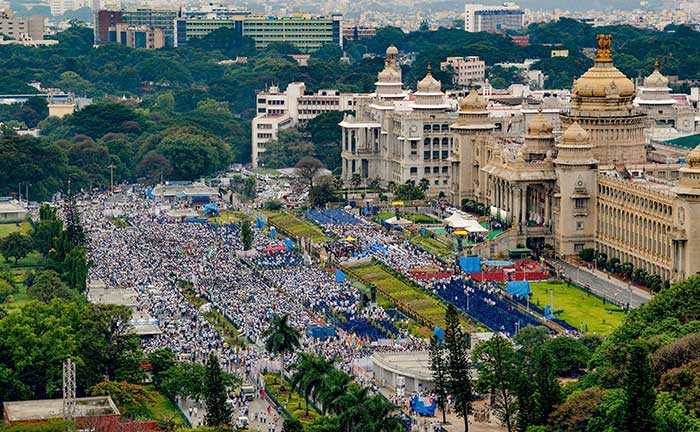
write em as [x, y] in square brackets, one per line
[523, 204]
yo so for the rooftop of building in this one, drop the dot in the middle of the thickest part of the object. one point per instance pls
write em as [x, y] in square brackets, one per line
[45, 409]
[411, 363]
[11, 206]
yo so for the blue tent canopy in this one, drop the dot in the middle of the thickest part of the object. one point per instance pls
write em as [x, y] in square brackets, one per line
[259, 223]
[518, 288]
[470, 264]
[288, 243]
[273, 232]
[339, 275]
[498, 263]
[419, 406]
[548, 312]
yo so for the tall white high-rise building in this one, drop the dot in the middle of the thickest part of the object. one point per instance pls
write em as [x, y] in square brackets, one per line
[493, 19]
[59, 7]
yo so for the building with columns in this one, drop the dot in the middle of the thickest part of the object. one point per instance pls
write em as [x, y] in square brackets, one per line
[593, 186]
[578, 176]
[396, 135]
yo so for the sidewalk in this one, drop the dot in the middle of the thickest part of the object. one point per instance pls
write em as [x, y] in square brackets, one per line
[604, 285]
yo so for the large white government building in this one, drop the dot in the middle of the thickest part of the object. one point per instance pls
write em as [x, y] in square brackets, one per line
[579, 176]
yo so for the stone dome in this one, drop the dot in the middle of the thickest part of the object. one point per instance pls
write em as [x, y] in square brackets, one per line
[429, 84]
[389, 75]
[539, 125]
[694, 157]
[656, 80]
[392, 50]
[575, 135]
[603, 79]
[472, 102]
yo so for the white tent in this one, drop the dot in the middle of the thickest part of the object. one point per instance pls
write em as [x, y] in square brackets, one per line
[475, 227]
[400, 221]
[456, 221]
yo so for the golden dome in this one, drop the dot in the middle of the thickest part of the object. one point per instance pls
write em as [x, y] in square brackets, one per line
[472, 102]
[539, 125]
[603, 79]
[575, 135]
[429, 84]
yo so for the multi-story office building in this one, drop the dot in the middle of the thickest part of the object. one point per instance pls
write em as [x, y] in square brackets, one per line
[306, 32]
[137, 37]
[153, 18]
[22, 28]
[148, 25]
[59, 7]
[357, 32]
[465, 70]
[493, 19]
[278, 110]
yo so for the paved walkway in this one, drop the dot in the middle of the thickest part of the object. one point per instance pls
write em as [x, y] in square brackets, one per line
[604, 285]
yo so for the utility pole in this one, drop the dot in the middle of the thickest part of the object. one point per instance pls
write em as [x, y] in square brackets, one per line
[26, 193]
[111, 178]
[68, 389]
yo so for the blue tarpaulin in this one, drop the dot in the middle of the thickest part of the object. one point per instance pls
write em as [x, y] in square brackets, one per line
[288, 243]
[321, 332]
[259, 223]
[470, 264]
[378, 247]
[421, 408]
[273, 232]
[339, 275]
[439, 334]
[518, 288]
[211, 209]
[150, 194]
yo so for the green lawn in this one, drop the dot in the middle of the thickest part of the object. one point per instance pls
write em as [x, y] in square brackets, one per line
[433, 245]
[229, 217]
[34, 259]
[408, 298]
[577, 307]
[161, 408]
[295, 226]
[8, 228]
[294, 403]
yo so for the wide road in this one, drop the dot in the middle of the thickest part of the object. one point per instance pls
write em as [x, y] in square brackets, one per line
[612, 289]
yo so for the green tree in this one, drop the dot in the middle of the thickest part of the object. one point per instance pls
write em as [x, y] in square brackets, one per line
[438, 367]
[161, 360]
[218, 411]
[639, 390]
[246, 235]
[75, 269]
[47, 285]
[74, 228]
[498, 374]
[249, 187]
[16, 246]
[458, 366]
[548, 391]
[280, 337]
